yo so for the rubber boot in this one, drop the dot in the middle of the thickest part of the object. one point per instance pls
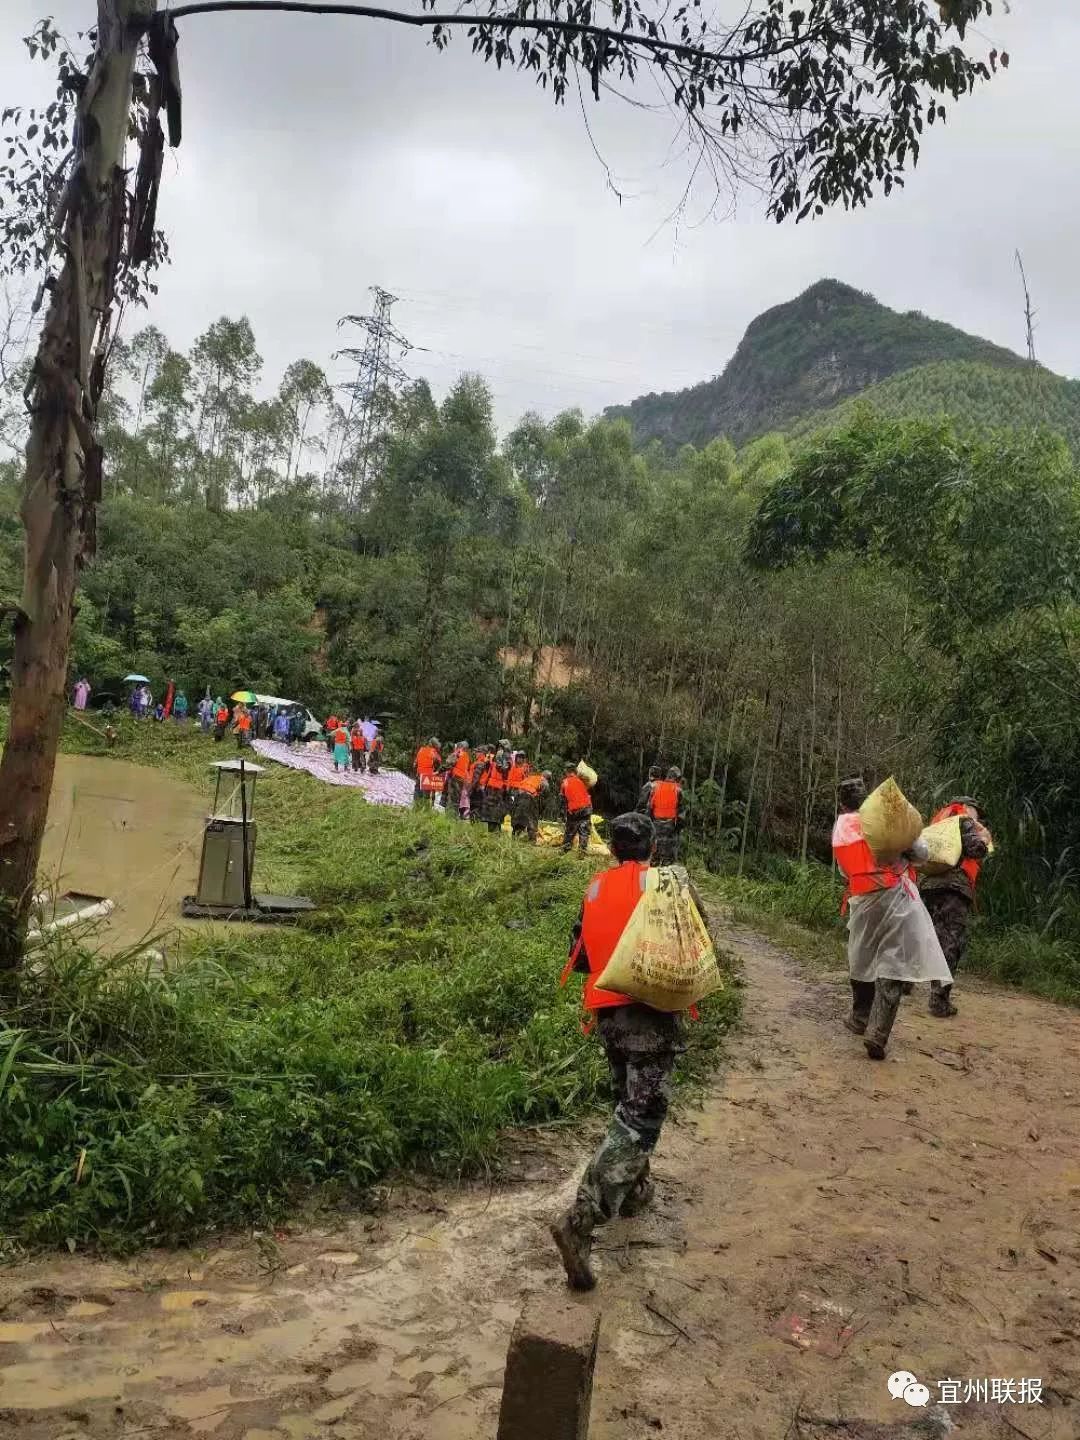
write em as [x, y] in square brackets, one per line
[941, 1005]
[573, 1237]
[875, 1049]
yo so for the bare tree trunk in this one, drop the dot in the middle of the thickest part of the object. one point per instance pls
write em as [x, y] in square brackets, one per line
[62, 483]
[750, 791]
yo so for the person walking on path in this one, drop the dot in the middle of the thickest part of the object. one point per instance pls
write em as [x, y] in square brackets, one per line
[340, 752]
[242, 727]
[666, 805]
[577, 811]
[891, 940]
[358, 744]
[950, 897]
[642, 1046]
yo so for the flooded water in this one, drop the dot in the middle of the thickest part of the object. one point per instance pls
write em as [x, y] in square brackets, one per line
[127, 832]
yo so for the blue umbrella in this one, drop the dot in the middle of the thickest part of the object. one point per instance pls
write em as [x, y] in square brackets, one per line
[136, 680]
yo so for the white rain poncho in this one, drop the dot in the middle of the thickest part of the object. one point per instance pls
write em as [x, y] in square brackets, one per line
[891, 937]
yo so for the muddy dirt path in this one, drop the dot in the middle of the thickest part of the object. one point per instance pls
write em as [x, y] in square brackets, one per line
[823, 1222]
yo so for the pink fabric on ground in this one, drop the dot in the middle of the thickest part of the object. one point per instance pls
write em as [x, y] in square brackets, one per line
[389, 787]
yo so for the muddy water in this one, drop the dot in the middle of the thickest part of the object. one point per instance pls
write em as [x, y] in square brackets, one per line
[127, 832]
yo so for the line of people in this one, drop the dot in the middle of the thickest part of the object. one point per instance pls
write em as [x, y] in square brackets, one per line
[493, 782]
[352, 748]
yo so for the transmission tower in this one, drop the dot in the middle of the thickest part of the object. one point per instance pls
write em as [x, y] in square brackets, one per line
[362, 446]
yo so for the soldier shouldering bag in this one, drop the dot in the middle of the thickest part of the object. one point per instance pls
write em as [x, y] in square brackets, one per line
[890, 823]
[664, 957]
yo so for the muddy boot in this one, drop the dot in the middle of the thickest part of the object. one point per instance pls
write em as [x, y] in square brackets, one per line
[875, 1049]
[573, 1236]
[941, 1004]
[639, 1198]
[854, 1024]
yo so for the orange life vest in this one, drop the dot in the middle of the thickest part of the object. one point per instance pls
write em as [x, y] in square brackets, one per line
[531, 784]
[243, 722]
[664, 800]
[341, 736]
[609, 902]
[475, 772]
[332, 724]
[576, 794]
[359, 740]
[971, 868]
[517, 773]
[427, 757]
[462, 765]
[864, 874]
[222, 716]
[491, 777]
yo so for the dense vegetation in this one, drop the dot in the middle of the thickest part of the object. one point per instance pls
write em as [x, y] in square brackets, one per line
[830, 343]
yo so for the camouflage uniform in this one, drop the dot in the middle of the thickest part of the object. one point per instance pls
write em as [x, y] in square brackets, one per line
[874, 1004]
[950, 899]
[667, 842]
[579, 824]
[642, 1046]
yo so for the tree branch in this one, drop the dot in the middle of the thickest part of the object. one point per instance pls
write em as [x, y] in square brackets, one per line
[431, 21]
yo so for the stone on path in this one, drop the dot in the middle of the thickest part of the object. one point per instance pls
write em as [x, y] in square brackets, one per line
[547, 1393]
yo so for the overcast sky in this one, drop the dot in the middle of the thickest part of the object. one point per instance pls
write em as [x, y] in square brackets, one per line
[325, 155]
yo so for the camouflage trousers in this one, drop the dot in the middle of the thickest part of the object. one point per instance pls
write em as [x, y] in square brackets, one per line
[452, 795]
[579, 825]
[642, 1047]
[666, 848]
[525, 815]
[493, 808]
[950, 910]
[874, 1005]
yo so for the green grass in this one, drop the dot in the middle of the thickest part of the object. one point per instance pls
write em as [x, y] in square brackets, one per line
[408, 1023]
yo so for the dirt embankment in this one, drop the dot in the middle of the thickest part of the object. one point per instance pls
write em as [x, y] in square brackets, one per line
[823, 1222]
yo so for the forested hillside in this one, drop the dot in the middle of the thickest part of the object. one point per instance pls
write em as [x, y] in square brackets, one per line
[980, 397]
[890, 596]
[805, 356]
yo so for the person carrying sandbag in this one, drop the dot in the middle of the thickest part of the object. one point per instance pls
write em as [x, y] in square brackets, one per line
[949, 895]
[576, 805]
[891, 940]
[627, 919]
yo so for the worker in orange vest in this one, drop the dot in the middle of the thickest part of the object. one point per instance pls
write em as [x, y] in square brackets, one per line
[358, 744]
[242, 726]
[491, 783]
[458, 768]
[426, 768]
[647, 789]
[667, 809]
[891, 940]
[475, 787]
[519, 768]
[577, 811]
[329, 729]
[642, 1046]
[950, 898]
[525, 815]
[375, 754]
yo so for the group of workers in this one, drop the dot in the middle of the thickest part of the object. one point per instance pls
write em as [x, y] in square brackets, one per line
[352, 746]
[904, 928]
[485, 785]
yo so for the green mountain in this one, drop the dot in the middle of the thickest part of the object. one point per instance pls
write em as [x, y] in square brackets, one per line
[828, 345]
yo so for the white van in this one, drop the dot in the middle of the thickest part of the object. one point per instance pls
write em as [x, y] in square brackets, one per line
[313, 730]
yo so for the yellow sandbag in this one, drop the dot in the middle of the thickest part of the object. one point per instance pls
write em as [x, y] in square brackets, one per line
[587, 773]
[890, 823]
[664, 957]
[945, 846]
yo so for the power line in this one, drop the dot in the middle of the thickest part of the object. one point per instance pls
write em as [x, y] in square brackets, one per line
[362, 445]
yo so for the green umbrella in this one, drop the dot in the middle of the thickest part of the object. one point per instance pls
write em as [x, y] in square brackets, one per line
[245, 697]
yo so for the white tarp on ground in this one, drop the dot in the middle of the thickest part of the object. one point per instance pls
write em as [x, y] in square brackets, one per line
[389, 787]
